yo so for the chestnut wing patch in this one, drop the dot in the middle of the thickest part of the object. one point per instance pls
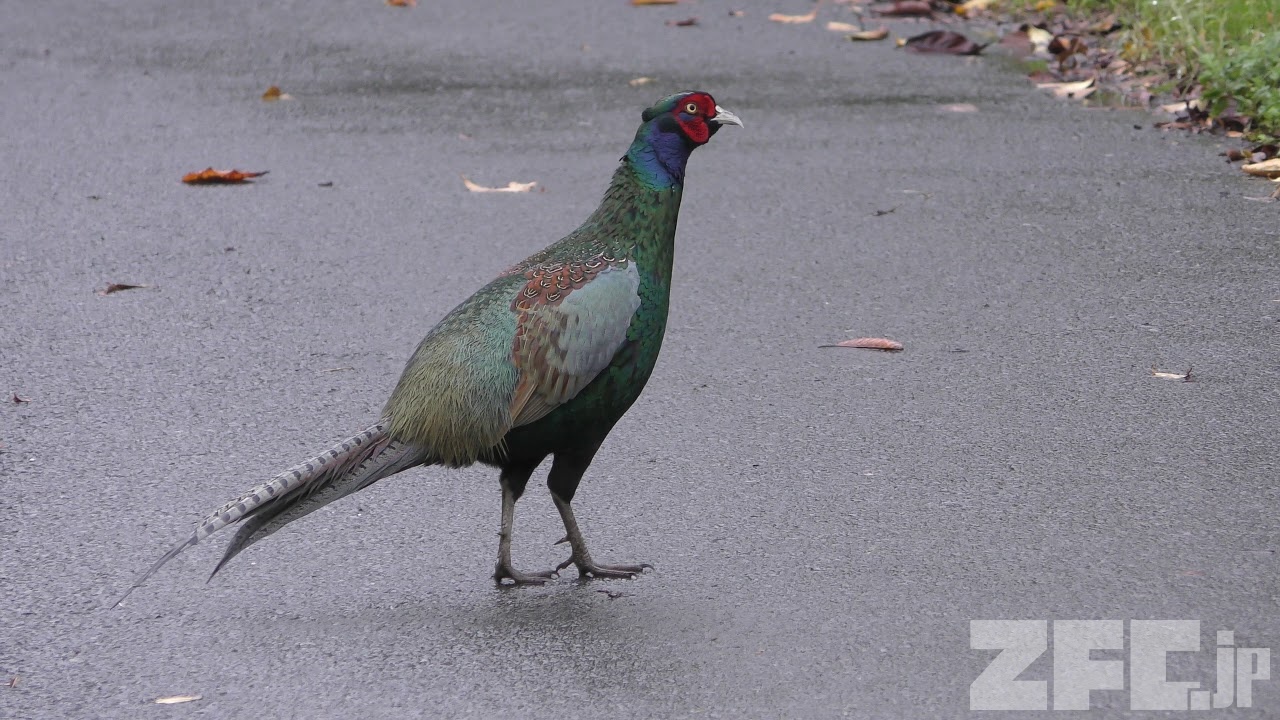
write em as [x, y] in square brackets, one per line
[573, 319]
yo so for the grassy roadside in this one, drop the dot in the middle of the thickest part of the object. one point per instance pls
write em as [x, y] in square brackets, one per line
[1230, 49]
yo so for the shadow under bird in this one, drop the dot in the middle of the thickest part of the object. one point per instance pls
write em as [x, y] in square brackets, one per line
[542, 361]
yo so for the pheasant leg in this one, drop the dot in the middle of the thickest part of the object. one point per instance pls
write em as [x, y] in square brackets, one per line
[504, 571]
[588, 568]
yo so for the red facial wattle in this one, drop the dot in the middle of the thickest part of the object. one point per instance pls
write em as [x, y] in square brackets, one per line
[694, 124]
[695, 128]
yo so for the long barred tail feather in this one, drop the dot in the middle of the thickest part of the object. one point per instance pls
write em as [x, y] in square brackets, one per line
[351, 465]
[385, 460]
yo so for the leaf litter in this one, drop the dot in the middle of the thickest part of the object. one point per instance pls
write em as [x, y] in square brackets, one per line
[117, 287]
[176, 699]
[869, 343]
[511, 187]
[1165, 374]
[947, 42]
[273, 94]
[209, 176]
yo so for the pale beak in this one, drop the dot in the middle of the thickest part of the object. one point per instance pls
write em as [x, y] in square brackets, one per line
[724, 117]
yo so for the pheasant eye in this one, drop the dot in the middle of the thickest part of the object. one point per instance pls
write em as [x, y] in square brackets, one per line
[691, 108]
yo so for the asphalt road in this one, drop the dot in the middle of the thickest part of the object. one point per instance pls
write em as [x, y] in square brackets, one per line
[825, 523]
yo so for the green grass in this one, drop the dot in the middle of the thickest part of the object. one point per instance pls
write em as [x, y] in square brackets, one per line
[1230, 47]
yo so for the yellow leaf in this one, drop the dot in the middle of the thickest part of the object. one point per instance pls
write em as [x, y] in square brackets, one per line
[1266, 168]
[511, 187]
[843, 27]
[1045, 5]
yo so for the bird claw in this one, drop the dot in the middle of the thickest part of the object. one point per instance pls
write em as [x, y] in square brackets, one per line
[518, 577]
[588, 569]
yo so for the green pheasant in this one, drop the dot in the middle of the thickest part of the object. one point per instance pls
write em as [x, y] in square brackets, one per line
[542, 361]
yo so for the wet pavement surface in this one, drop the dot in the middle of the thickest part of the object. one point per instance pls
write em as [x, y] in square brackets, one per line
[824, 523]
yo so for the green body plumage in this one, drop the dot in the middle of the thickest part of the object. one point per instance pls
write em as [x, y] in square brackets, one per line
[455, 395]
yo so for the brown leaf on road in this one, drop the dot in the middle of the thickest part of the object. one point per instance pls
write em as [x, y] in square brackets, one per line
[654, 2]
[869, 343]
[273, 93]
[19, 400]
[877, 34]
[209, 176]
[402, 3]
[946, 42]
[687, 22]
[904, 8]
[511, 187]
[175, 699]
[117, 287]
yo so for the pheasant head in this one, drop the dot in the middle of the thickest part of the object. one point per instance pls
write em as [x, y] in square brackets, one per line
[671, 129]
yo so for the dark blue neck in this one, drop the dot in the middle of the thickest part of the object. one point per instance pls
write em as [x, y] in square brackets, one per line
[659, 156]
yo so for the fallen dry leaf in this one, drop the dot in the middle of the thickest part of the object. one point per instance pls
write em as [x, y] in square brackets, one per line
[209, 176]
[796, 19]
[273, 93]
[511, 187]
[687, 22]
[1267, 168]
[637, 82]
[943, 41]
[969, 7]
[843, 27]
[1077, 90]
[1185, 377]
[877, 34]
[175, 699]
[19, 400]
[402, 3]
[1182, 107]
[869, 343]
[117, 287]
[654, 2]
[905, 8]
[737, 13]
